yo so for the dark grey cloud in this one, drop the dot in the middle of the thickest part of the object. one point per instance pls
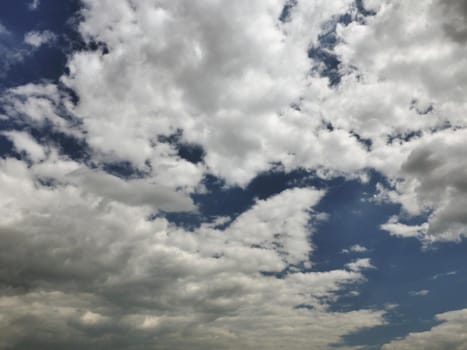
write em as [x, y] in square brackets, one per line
[453, 14]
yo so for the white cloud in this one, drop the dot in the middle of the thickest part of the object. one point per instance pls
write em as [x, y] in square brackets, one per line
[394, 227]
[373, 5]
[132, 191]
[37, 105]
[24, 142]
[38, 39]
[98, 271]
[176, 70]
[234, 98]
[357, 248]
[396, 94]
[360, 265]
[419, 293]
[450, 334]
[445, 274]
[239, 83]
[264, 225]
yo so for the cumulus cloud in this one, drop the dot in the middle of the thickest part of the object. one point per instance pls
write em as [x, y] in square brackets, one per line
[97, 271]
[233, 97]
[433, 185]
[85, 254]
[395, 95]
[248, 110]
[450, 334]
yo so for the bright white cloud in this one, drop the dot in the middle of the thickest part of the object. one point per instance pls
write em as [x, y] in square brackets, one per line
[394, 227]
[234, 97]
[169, 67]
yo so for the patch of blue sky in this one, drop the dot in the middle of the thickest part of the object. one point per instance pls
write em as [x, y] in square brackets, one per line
[46, 62]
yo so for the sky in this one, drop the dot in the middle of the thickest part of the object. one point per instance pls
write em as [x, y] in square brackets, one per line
[268, 174]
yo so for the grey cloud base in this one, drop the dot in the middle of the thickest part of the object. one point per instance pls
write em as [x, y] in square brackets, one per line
[83, 270]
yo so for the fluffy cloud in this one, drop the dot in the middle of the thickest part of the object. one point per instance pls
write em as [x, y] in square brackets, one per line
[403, 91]
[434, 185]
[86, 256]
[91, 269]
[236, 98]
[450, 334]
[169, 67]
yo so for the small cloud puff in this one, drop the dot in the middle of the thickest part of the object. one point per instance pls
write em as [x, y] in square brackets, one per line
[360, 264]
[34, 5]
[419, 293]
[38, 39]
[357, 248]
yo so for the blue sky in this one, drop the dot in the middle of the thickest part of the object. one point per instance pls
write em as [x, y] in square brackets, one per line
[218, 175]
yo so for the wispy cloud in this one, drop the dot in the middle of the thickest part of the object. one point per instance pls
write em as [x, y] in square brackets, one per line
[419, 293]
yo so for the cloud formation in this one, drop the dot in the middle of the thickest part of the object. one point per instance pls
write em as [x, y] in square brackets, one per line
[450, 334]
[248, 109]
[95, 270]
[88, 256]
[404, 92]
